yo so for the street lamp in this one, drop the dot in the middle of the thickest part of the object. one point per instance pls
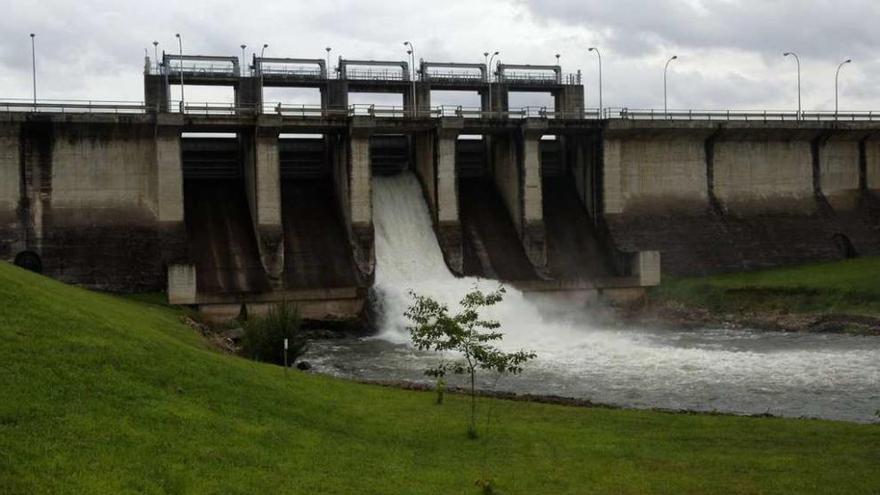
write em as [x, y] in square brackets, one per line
[156, 54]
[559, 75]
[665, 70]
[798, 60]
[243, 63]
[34, 66]
[412, 55]
[328, 49]
[836, 80]
[489, 77]
[262, 52]
[594, 49]
[182, 99]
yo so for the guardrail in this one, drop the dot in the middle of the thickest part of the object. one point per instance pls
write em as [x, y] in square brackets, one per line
[537, 78]
[451, 76]
[740, 115]
[213, 108]
[21, 105]
[73, 106]
[201, 70]
[291, 73]
[375, 75]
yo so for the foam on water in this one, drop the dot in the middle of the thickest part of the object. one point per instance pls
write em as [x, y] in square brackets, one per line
[691, 367]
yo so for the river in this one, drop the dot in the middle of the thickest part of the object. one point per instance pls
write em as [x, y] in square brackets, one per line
[734, 371]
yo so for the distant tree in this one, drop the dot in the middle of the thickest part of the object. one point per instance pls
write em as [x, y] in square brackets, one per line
[435, 329]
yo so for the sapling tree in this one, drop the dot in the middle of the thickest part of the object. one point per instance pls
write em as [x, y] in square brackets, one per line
[434, 328]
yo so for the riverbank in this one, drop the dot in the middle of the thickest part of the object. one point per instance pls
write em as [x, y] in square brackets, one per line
[837, 297]
[95, 380]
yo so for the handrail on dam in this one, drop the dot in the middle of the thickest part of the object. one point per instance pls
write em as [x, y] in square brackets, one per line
[21, 105]
[72, 106]
[739, 115]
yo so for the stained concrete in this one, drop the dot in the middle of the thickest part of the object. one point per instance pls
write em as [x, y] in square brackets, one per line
[262, 173]
[574, 249]
[492, 246]
[644, 175]
[872, 164]
[839, 172]
[10, 185]
[764, 176]
[223, 244]
[317, 253]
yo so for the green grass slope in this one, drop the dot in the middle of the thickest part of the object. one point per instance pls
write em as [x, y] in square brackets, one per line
[851, 286]
[105, 395]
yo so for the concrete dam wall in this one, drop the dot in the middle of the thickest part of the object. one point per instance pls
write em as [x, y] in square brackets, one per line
[149, 202]
[738, 196]
[91, 201]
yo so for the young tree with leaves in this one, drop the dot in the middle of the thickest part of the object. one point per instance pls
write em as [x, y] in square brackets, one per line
[434, 328]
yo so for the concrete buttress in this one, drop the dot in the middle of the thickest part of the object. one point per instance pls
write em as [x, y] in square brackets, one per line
[262, 173]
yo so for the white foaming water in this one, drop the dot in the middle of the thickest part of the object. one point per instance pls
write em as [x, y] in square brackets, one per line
[732, 370]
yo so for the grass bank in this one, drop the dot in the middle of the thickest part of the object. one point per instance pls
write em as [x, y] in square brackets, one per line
[851, 286]
[107, 395]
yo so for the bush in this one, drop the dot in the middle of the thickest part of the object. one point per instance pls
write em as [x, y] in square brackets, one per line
[264, 335]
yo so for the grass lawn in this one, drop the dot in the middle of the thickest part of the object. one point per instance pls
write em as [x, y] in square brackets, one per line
[851, 286]
[108, 395]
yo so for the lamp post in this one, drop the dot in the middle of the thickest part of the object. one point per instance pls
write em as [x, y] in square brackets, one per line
[243, 63]
[836, 84]
[328, 50]
[798, 60]
[34, 66]
[594, 49]
[156, 54]
[262, 53]
[182, 99]
[558, 74]
[665, 70]
[489, 77]
[412, 55]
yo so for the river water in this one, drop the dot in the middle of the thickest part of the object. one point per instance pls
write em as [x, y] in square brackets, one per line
[736, 371]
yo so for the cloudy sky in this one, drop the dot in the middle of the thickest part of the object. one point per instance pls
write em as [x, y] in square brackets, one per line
[730, 51]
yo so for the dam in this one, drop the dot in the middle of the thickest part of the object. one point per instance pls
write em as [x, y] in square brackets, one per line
[242, 204]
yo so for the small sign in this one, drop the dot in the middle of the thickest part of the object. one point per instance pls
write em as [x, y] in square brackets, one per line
[285, 344]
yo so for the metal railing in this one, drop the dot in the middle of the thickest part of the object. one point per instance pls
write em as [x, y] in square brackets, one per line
[537, 78]
[375, 74]
[740, 115]
[22, 105]
[72, 106]
[212, 108]
[200, 70]
[304, 111]
[859, 116]
[300, 73]
[459, 76]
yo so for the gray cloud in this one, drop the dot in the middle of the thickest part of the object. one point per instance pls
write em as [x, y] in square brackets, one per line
[821, 28]
[730, 50]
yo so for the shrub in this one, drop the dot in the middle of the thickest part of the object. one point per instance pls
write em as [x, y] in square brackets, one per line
[264, 335]
[434, 328]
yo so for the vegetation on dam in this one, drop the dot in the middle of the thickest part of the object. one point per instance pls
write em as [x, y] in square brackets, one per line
[850, 287]
[108, 395]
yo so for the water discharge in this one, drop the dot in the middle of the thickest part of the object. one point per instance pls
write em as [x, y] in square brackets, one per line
[831, 376]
